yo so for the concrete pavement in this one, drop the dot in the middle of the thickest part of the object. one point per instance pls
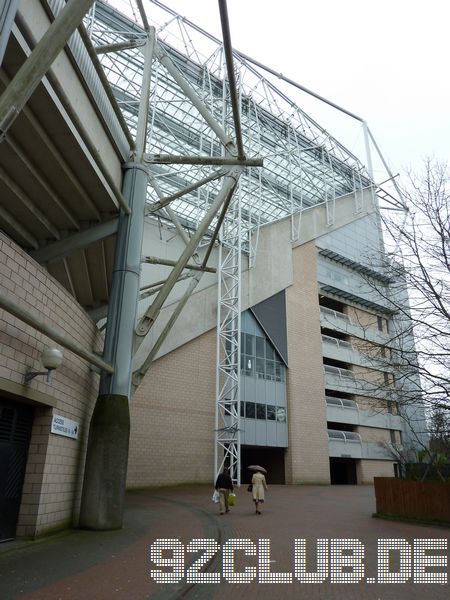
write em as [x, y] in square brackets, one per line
[89, 565]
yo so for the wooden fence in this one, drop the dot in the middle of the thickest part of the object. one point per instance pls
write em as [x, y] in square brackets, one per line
[427, 500]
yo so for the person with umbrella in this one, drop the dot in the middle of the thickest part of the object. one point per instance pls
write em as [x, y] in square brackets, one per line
[259, 486]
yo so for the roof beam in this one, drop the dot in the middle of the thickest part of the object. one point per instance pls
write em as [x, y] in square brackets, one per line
[56, 154]
[51, 194]
[18, 228]
[75, 242]
[29, 204]
[174, 159]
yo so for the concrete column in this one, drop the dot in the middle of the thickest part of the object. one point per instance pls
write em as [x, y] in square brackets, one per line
[107, 452]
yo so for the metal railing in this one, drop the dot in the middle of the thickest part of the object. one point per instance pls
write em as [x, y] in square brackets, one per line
[341, 373]
[341, 402]
[343, 436]
[340, 344]
[336, 314]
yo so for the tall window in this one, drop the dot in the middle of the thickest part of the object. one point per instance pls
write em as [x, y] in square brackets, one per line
[259, 358]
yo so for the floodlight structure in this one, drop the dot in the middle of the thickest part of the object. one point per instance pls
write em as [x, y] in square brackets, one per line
[212, 116]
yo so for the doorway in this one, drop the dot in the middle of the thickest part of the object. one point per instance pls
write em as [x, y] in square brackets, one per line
[272, 459]
[343, 471]
[16, 421]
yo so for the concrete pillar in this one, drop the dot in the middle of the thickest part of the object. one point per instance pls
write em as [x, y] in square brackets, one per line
[107, 452]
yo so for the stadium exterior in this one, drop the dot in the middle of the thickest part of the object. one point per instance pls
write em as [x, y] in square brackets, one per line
[259, 336]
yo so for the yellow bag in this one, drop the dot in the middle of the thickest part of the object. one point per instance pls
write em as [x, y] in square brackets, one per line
[231, 499]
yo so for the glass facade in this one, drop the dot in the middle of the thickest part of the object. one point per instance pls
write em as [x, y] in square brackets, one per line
[259, 358]
[263, 386]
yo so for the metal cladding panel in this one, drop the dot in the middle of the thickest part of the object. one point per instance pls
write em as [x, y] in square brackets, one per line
[271, 315]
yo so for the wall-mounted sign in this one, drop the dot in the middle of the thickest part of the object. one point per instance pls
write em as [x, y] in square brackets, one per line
[66, 427]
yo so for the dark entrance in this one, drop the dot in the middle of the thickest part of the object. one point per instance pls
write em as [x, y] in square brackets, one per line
[343, 471]
[271, 459]
[16, 421]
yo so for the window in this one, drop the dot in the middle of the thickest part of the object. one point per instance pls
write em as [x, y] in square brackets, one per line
[260, 371]
[380, 323]
[261, 411]
[279, 371]
[259, 358]
[281, 414]
[392, 434]
[250, 410]
[260, 346]
[249, 343]
[271, 412]
[269, 351]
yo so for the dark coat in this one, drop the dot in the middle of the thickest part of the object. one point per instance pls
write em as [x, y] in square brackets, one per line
[224, 481]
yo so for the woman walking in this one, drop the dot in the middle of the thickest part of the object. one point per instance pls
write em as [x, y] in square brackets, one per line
[259, 486]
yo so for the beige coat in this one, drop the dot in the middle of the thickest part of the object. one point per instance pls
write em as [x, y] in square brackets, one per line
[259, 485]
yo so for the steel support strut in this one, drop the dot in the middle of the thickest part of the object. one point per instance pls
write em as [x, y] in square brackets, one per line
[37, 64]
[107, 453]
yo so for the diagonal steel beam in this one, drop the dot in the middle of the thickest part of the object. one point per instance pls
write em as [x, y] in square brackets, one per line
[153, 311]
[231, 77]
[37, 64]
[154, 260]
[139, 374]
[191, 188]
[192, 95]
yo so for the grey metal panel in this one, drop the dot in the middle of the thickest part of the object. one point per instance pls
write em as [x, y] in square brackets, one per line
[272, 433]
[282, 435]
[260, 391]
[8, 10]
[94, 85]
[248, 389]
[280, 393]
[249, 427]
[271, 315]
[271, 392]
[261, 433]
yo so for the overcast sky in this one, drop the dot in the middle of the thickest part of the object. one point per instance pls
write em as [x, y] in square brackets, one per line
[387, 61]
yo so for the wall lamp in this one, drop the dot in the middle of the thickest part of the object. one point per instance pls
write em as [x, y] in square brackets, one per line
[51, 358]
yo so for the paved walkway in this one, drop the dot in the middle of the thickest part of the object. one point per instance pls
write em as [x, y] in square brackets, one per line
[83, 565]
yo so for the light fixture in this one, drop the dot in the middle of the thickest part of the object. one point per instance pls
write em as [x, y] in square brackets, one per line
[51, 358]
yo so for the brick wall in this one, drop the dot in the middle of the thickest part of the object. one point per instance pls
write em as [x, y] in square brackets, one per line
[172, 417]
[368, 469]
[307, 457]
[52, 484]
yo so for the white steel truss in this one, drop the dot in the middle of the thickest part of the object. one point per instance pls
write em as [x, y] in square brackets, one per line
[303, 165]
[227, 440]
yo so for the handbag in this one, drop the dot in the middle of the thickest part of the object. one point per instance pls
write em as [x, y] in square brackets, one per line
[231, 499]
[250, 487]
[215, 497]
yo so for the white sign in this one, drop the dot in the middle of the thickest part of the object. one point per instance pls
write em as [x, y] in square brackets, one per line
[66, 427]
